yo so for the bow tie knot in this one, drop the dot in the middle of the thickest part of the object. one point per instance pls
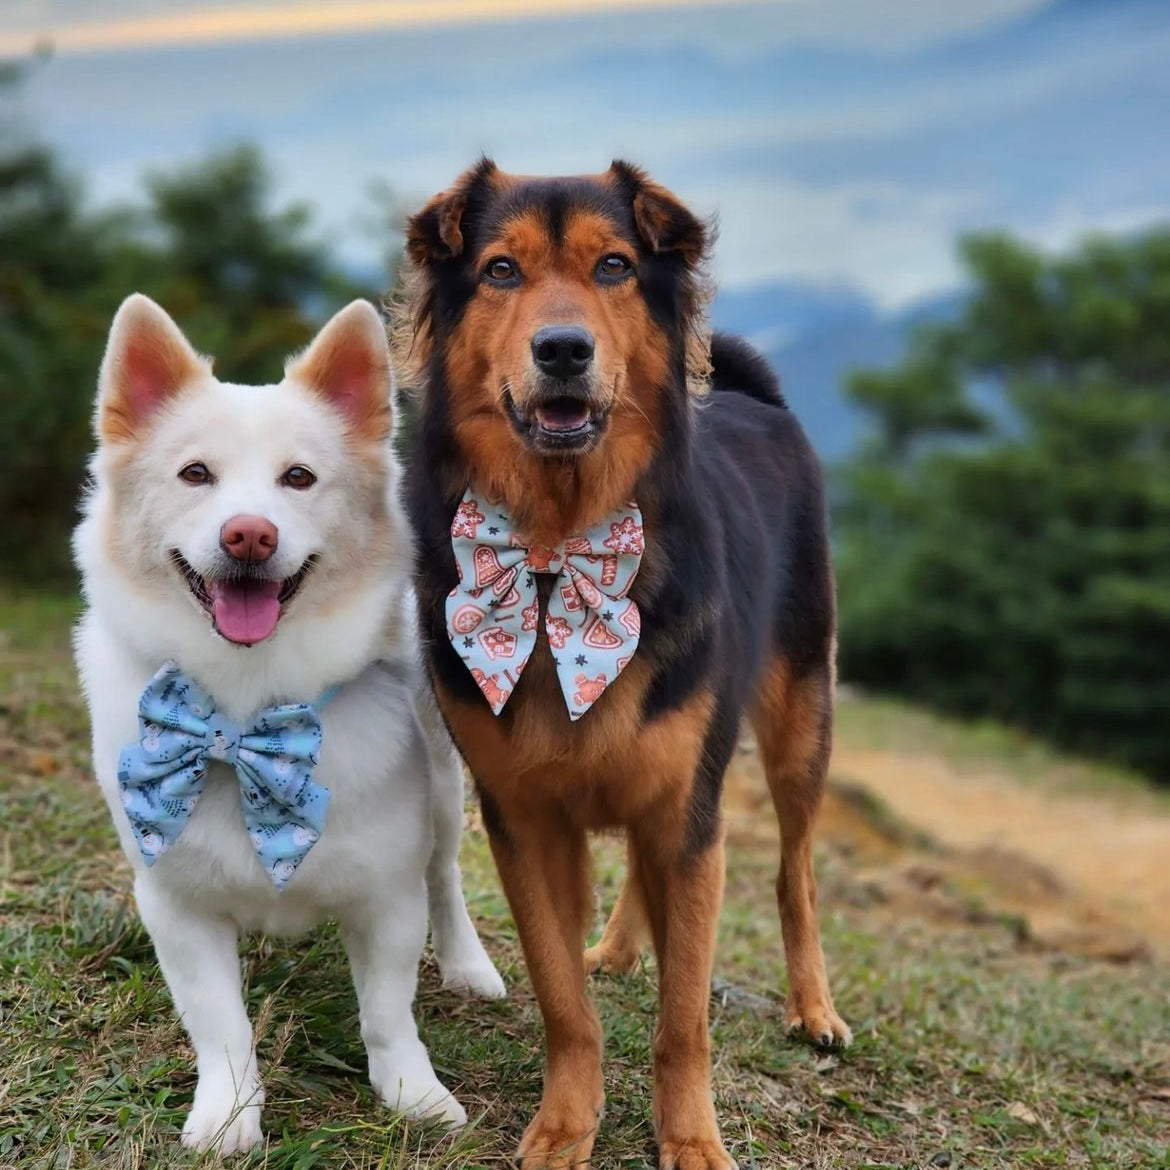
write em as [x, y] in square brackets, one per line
[162, 776]
[591, 624]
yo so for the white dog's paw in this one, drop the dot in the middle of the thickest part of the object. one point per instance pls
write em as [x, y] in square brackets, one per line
[431, 1103]
[423, 1099]
[477, 976]
[220, 1123]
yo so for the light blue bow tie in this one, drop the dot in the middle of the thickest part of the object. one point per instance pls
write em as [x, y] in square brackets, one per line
[161, 777]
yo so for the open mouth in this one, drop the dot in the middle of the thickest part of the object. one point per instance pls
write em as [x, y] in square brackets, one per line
[244, 607]
[558, 423]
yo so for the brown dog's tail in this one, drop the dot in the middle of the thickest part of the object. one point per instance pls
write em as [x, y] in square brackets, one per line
[738, 367]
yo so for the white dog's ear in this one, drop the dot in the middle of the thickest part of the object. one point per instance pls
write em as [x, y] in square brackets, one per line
[348, 364]
[147, 361]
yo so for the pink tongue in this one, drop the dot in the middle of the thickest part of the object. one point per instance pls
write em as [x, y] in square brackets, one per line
[245, 610]
[562, 415]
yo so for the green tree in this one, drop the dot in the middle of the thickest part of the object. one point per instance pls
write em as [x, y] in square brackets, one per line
[243, 279]
[1005, 541]
[53, 260]
[247, 282]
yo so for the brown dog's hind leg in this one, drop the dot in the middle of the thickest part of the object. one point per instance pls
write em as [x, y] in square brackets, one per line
[793, 723]
[626, 932]
[544, 866]
[683, 890]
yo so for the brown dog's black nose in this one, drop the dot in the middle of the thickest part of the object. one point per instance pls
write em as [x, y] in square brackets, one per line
[564, 351]
[248, 538]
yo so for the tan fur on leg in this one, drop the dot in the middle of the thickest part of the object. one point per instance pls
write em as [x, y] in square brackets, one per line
[683, 895]
[544, 867]
[792, 721]
[626, 932]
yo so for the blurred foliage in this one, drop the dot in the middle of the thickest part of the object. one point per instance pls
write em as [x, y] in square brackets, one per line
[1004, 537]
[247, 283]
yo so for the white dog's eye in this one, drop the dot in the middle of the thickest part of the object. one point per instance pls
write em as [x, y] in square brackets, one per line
[196, 474]
[298, 477]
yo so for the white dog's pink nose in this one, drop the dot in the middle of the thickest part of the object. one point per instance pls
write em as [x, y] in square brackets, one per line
[248, 538]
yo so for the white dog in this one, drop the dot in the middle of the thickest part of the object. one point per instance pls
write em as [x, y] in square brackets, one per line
[244, 547]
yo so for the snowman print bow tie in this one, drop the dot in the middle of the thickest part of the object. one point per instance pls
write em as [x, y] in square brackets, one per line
[162, 775]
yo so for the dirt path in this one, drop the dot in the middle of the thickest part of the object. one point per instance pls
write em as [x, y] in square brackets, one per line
[1082, 871]
[1108, 851]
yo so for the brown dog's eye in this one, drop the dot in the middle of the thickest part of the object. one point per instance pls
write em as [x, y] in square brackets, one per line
[196, 474]
[501, 270]
[613, 267]
[298, 477]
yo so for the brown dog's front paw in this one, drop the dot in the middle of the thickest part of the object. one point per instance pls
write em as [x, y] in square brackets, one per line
[816, 1017]
[694, 1154]
[555, 1145]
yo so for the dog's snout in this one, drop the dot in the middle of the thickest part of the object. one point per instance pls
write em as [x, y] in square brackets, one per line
[248, 538]
[564, 351]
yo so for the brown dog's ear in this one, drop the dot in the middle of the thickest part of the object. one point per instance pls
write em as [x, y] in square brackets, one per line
[436, 232]
[348, 365]
[147, 361]
[663, 222]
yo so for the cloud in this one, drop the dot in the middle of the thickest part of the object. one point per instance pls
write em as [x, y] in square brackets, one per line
[99, 26]
[894, 244]
[191, 23]
[831, 166]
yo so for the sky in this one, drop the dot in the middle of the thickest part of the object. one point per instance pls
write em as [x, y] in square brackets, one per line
[841, 142]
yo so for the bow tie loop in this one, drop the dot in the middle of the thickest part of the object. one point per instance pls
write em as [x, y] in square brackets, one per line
[162, 776]
[591, 624]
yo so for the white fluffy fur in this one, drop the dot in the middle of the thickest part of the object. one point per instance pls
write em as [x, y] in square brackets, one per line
[391, 838]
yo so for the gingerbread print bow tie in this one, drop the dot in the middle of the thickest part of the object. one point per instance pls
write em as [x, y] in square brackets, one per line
[591, 623]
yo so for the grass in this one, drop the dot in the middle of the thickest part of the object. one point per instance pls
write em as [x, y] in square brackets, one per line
[972, 1050]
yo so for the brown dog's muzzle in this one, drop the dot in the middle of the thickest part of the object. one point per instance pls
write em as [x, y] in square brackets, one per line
[559, 411]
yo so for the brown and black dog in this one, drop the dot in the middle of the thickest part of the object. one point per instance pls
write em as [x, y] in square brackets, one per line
[557, 329]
